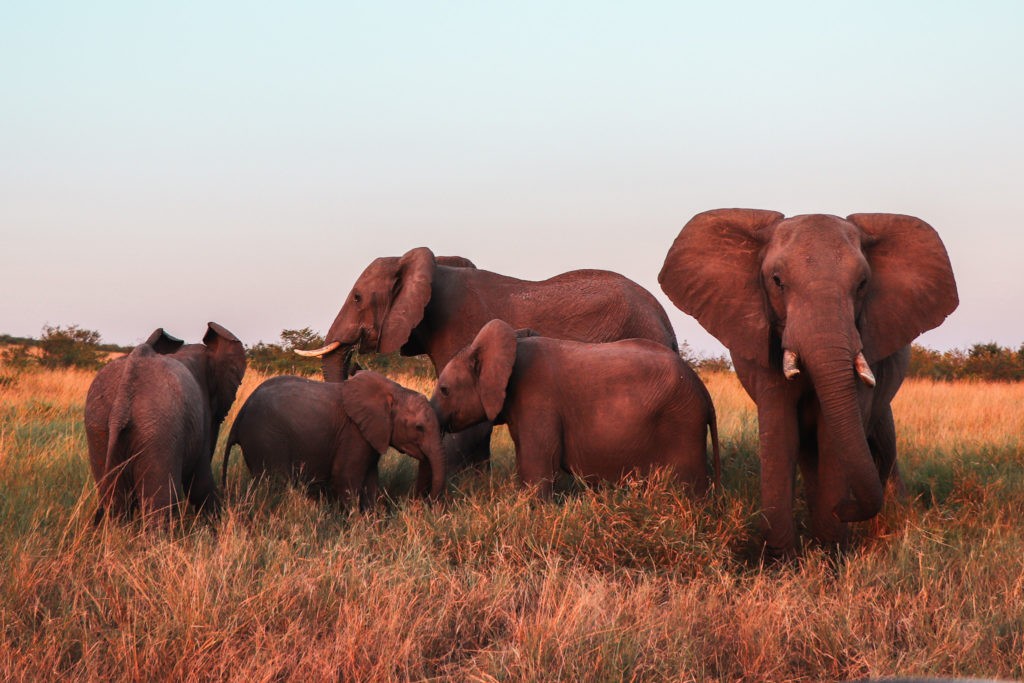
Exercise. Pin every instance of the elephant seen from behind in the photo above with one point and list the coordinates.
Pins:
(152, 420)
(598, 411)
(330, 436)
(818, 313)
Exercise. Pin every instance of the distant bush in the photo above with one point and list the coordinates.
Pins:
(988, 361)
(702, 362)
(70, 346)
(281, 359)
(17, 357)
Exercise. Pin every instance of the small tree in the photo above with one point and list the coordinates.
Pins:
(305, 339)
(281, 359)
(70, 346)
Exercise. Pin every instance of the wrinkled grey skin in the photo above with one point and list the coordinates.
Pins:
(819, 290)
(419, 304)
(152, 419)
(599, 411)
(330, 436)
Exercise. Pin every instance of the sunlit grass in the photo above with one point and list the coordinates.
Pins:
(635, 581)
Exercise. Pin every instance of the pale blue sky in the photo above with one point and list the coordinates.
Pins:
(165, 165)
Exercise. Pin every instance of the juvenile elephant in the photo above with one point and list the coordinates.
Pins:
(419, 304)
(599, 411)
(331, 435)
(152, 419)
(817, 312)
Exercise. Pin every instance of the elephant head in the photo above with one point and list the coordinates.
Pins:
(472, 386)
(383, 308)
(388, 414)
(217, 366)
(819, 293)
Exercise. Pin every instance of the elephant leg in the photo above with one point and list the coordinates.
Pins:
(538, 459)
(469, 448)
(371, 490)
(808, 461)
(157, 491)
(779, 442)
(424, 477)
(115, 494)
(882, 442)
(202, 492)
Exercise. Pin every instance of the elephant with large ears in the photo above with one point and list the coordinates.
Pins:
(599, 411)
(422, 304)
(817, 313)
(330, 436)
(152, 419)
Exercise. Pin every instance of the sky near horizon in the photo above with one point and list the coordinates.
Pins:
(169, 164)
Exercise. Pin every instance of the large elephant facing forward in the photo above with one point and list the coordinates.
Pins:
(152, 419)
(417, 304)
(817, 312)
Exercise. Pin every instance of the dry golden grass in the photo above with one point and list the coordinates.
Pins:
(635, 582)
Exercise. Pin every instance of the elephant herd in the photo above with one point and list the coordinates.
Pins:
(817, 312)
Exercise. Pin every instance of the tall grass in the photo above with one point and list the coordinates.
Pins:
(631, 582)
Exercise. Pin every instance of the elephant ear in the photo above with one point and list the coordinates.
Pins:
(163, 343)
(493, 354)
(411, 289)
(455, 262)
(713, 272)
(224, 368)
(911, 289)
(368, 398)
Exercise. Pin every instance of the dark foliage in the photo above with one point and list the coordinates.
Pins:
(988, 361)
(70, 346)
(281, 359)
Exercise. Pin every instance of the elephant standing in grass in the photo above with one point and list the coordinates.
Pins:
(599, 411)
(418, 304)
(330, 436)
(152, 419)
(818, 313)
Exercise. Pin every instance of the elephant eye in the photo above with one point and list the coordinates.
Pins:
(357, 297)
(444, 391)
(778, 281)
(862, 285)
(420, 428)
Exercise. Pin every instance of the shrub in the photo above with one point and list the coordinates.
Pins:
(17, 357)
(988, 361)
(70, 346)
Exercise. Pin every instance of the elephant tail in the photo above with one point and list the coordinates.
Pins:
(716, 458)
(120, 418)
(232, 440)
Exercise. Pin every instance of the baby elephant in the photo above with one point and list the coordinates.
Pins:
(599, 411)
(331, 435)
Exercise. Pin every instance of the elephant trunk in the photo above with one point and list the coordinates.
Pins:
(337, 364)
(832, 370)
(438, 468)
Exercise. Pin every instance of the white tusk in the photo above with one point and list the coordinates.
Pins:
(863, 370)
(789, 366)
(322, 351)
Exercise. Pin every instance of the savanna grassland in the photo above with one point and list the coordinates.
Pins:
(635, 582)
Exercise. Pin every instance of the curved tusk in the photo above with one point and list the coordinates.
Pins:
(789, 364)
(864, 370)
(322, 351)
